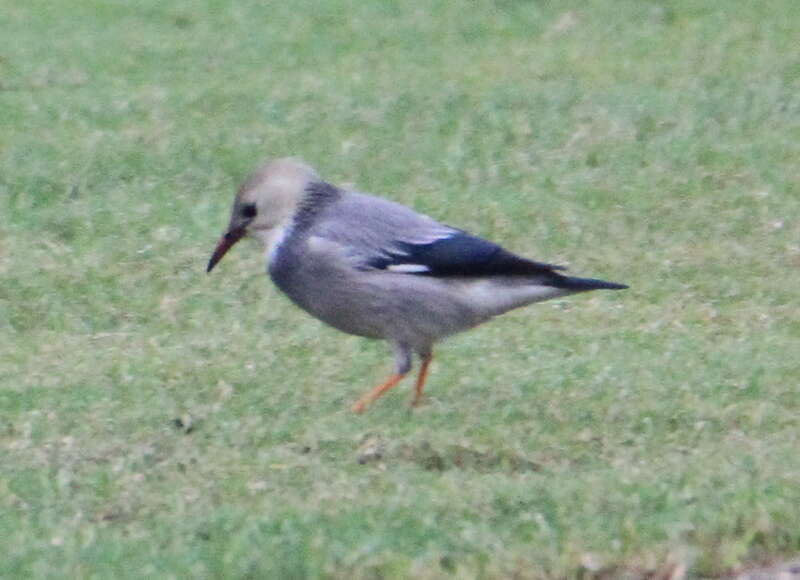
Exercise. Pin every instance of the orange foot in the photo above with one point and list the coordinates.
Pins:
(361, 405)
(423, 374)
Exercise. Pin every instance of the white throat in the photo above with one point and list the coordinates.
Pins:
(272, 239)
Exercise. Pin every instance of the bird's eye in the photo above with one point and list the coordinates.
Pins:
(249, 210)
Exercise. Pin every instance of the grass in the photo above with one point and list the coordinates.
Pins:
(157, 421)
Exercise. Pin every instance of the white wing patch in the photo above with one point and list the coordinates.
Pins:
(436, 233)
(408, 268)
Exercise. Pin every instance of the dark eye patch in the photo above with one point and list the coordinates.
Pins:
(249, 210)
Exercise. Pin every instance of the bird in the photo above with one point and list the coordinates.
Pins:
(374, 268)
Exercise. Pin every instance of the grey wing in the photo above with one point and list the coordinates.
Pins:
(377, 234)
(373, 232)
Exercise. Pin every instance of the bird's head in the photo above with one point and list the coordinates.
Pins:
(265, 204)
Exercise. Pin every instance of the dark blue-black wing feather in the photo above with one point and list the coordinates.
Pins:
(459, 254)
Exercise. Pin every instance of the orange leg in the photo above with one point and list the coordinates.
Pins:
(423, 374)
(360, 405)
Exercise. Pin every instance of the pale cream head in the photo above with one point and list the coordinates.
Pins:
(265, 204)
(276, 188)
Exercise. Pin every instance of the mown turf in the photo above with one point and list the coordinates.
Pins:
(157, 421)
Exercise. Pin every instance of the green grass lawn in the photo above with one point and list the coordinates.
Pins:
(158, 421)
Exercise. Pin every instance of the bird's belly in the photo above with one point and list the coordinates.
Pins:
(331, 301)
(410, 309)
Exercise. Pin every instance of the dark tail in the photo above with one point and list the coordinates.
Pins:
(585, 284)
